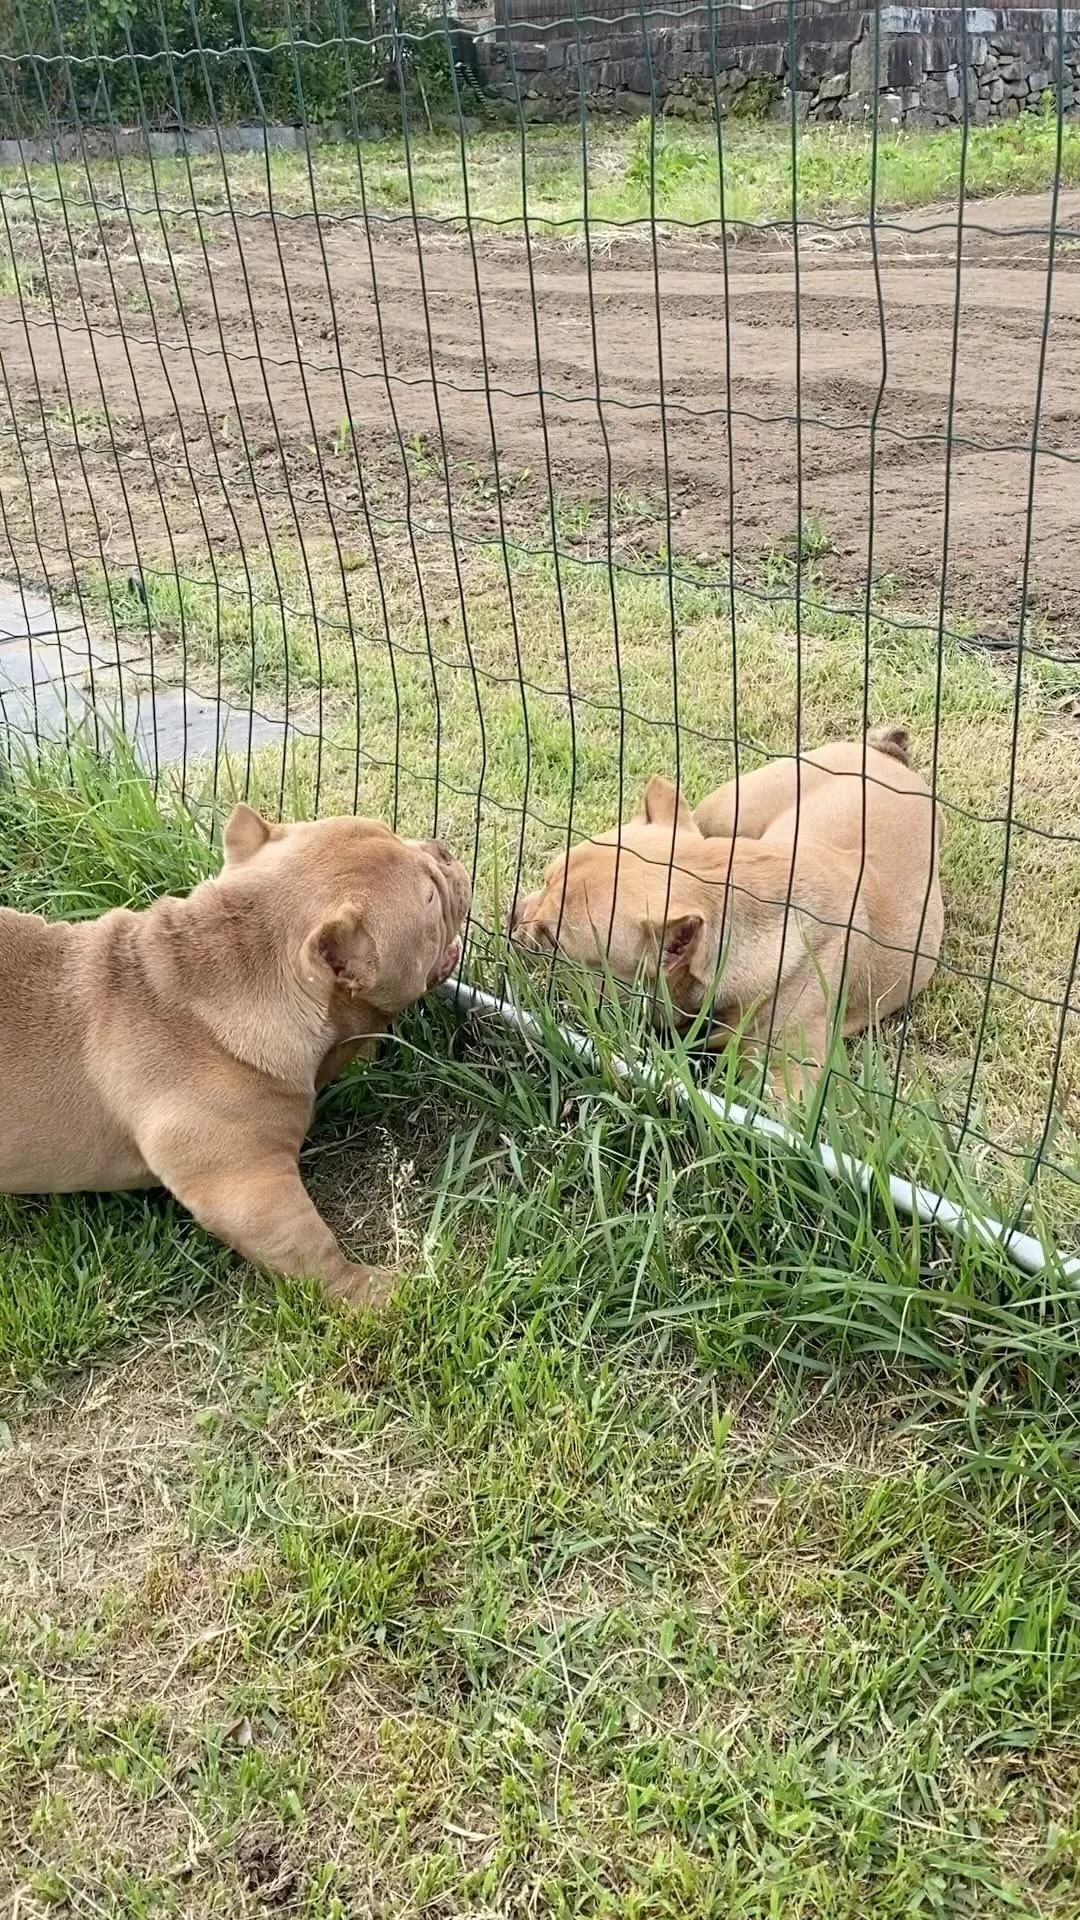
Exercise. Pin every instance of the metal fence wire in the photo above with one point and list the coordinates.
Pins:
(372, 439)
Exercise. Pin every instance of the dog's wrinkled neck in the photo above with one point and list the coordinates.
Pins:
(227, 960)
(348, 1016)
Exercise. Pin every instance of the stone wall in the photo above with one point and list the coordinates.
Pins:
(926, 67)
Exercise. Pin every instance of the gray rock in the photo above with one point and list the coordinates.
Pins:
(834, 87)
(177, 727)
(766, 58)
(46, 713)
(997, 90)
(863, 77)
(27, 614)
(530, 56)
(908, 59)
(980, 113)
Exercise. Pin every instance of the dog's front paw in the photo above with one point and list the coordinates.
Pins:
(357, 1286)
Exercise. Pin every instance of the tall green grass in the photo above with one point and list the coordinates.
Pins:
(641, 1209)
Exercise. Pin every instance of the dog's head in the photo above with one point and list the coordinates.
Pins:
(634, 901)
(365, 916)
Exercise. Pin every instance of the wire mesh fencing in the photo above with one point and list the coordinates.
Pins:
(464, 424)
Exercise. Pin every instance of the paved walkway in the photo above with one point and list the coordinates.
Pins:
(46, 670)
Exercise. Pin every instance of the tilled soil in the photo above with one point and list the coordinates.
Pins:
(211, 393)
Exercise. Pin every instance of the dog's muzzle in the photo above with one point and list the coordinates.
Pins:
(459, 890)
(448, 963)
(517, 925)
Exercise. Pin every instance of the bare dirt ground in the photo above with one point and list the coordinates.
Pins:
(220, 385)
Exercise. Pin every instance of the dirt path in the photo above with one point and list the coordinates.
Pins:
(284, 334)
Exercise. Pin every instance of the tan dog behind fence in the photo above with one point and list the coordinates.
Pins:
(740, 914)
(183, 1046)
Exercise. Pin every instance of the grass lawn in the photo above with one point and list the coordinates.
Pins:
(691, 1536)
(626, 166)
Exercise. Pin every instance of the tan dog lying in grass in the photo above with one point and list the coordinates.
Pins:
(183, 1046)
(724, 936)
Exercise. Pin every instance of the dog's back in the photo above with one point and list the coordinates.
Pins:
(56, 1134)
(822, 791)
(860, 810)
(842, 792)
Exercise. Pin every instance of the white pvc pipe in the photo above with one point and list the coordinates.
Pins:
(917, 1202)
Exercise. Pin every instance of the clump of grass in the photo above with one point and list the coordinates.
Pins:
(756, 100)
(82, 831)
(660, 161)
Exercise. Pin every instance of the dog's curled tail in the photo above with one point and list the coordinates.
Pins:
(895, 741)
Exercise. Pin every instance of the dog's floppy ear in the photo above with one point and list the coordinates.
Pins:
(341, 952)
(245, 832)
(663, 805)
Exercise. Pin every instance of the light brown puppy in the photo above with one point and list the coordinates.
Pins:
(756, 927)
(183, 1046)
